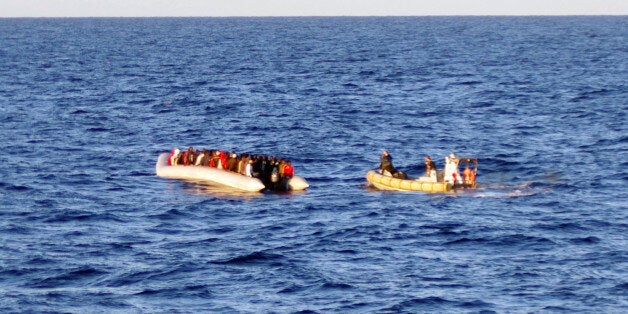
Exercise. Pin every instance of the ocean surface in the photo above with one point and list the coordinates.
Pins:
(87, 105)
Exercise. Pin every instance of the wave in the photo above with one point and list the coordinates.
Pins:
(83, 216)
(129, 278)
(507, 241)
(77, 277)
(585, 240)
(258, 257)
(174, 292)
(336, 286)
(445, 229)
(421, 304)
(293, 288)
(561, 225)
(15, 187)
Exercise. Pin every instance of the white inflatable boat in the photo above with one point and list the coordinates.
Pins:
(219, 176)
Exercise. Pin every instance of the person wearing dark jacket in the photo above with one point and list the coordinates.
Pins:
(385, 163)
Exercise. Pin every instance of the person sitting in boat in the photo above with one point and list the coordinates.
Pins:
(173, 159)
(232, 162)
(242, 162)
(205, 156)
(248, 168)
(280, 166)
(183, 157)
(268, 169)
(222, 155)
(187, 157)
(385, 164)
(200, 158)
(192, 156)
(214, 161)
(452, 174)
(288, 170)
(286, 173)
(258, 165)
(429, 165)
(430, 171)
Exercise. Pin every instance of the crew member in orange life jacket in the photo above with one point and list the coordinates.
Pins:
(469, 176)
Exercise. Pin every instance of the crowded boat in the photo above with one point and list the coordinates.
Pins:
(275, 173)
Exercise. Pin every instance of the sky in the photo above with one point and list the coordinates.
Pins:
(154, 8)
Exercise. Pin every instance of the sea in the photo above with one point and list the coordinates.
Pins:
(88, 104)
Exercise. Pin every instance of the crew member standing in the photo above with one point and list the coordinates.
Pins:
(385, 163)
(452, 174)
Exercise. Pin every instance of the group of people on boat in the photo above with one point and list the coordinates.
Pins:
(451, 173)
(273, 171)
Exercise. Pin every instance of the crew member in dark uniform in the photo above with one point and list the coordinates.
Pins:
(385, 163)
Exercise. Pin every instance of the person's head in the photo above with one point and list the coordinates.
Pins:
(427, 158)
(385, 152)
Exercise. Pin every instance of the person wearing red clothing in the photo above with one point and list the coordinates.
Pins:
(223, 159)
(187, 156)
(173, 159)
(288, 169)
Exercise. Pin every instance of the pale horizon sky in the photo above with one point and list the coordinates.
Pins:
(223, 8)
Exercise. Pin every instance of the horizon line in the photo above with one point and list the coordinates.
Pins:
(331, 16)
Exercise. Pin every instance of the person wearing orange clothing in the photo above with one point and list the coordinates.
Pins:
(469, 176)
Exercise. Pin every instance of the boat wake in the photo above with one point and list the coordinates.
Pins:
(509, 191)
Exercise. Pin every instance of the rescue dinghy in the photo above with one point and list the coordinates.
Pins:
(438, 182)
(386, 182)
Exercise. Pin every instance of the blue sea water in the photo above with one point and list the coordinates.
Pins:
(86, 106)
